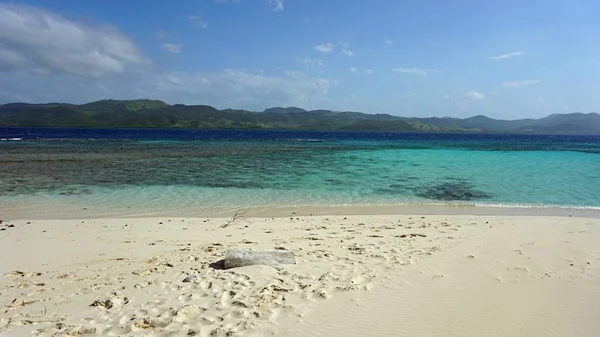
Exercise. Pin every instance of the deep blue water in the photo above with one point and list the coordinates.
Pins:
(262, 135)
(227, 169)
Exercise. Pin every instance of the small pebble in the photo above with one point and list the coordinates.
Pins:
(189, 279)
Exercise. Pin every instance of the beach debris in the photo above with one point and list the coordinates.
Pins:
(108, 303)
(24, 274)
(412, 235)
(143, 324)
(356, 249)
(241, 258)
(237, 216)
(189, 278)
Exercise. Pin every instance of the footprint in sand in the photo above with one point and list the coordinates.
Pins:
(188, 313)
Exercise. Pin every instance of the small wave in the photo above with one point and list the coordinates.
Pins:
(536, 206)
(11, 139)
(310, 140)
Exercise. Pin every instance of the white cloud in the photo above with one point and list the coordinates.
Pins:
(369, 71)
(324, 47)
(518, 84)
(506, 56)
(310, 63)
(447, 96)
(223, 1)
(172, 48)
(35, 43)
(36, 40)
(295, 74)
(242, 88)
(388, 41)
(161, 34)
(197, 20)
(172, 79)
(352, 69)
(228, 88)
(415, 71)
(475, 96)
(347, 52)
(277, 4)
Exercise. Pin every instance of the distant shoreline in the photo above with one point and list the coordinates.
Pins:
(148, 113)
(489, 133)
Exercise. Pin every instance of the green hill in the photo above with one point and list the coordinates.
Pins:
(158, 114)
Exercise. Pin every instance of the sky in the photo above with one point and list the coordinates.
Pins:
(504, 59)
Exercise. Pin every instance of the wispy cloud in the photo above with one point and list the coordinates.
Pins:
(475, 96)
(415, 71)
(506, 56)
(41, 42)
(347, 52)
(197, 20)
(161, 34)
(295, 74)
(310, 63)
(517, 84)
(240, 88)
(352, 69)
(388, 41)
(46, 57)
(324, 47)
(172, 48)
(277, 4)
(369, 71)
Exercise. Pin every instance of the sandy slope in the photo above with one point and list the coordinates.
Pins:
(359, 275)
(514, 277)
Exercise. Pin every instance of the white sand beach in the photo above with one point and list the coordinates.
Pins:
(356, 275)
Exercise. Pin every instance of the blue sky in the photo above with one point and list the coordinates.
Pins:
(504, 59)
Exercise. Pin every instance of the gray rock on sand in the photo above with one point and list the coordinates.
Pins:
(189, 278)
(242, 258)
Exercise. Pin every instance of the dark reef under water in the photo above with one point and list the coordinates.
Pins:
(363, 166)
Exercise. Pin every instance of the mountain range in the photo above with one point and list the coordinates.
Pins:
(158, 114)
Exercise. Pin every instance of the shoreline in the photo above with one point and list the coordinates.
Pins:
(53, 210)
(440, 210)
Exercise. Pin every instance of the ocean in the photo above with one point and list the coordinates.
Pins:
(146, 171)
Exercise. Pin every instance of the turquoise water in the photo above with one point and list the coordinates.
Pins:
(154, 173)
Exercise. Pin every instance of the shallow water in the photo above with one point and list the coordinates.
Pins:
(178, 169)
